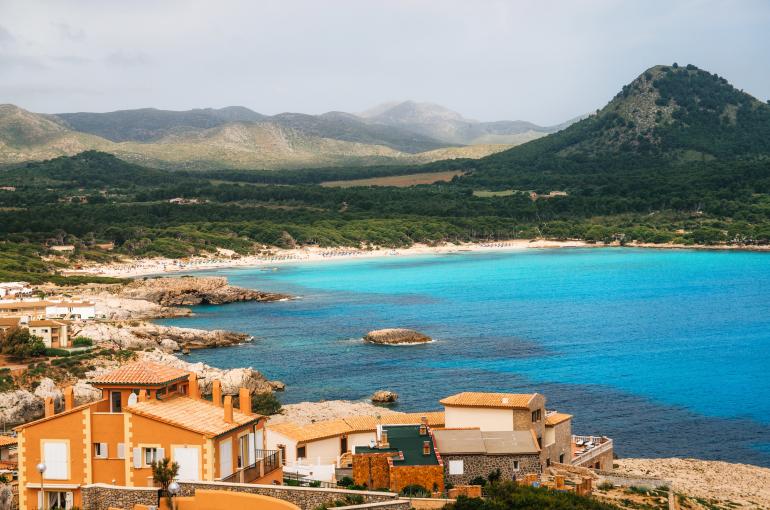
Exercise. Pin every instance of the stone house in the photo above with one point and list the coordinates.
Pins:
(473, 453)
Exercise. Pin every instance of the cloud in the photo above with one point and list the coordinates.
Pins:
(70, 33)
(121, 58)
(6, 38)
(70, 59)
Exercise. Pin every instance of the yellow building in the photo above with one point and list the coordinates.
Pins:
(148, 412)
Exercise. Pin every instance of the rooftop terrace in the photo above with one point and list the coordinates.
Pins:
(406, 441)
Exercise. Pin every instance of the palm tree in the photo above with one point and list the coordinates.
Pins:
(163, 473)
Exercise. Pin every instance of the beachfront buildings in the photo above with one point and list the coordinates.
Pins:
(475, 434)
(54, 334)
(48, 309)
(148, 412)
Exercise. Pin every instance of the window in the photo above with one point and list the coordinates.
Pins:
(548, 462)
(56, 458)
(561, 459)
(116, 405)
(150, 455)
(343, 444)
(456, 467)
(58, 499)
(516, 465)
(121, 450)
(536, 415)
(301, 452)
(100, 451)
(282, 449)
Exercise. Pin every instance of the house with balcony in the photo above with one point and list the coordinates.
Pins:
(53, 333)
(148, 412)
(316, 450)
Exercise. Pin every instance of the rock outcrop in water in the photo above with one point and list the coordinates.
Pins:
(396, 336)
(384, 397)
(193, 290)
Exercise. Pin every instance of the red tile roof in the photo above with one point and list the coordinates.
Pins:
(495, 400)
(145, 373)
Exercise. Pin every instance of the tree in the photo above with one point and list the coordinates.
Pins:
(18, 343)
(163, 473)
(6, 497)
(265, 403)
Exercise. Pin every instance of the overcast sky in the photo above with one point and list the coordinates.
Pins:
(543, 61)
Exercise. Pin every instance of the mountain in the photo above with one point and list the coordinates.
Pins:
(289, 141)
(150, 124)
(449, 126)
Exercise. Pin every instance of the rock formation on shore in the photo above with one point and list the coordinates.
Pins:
(193, 290)
(308, 412)
(384, 397)
(395, 336)
(136, 335)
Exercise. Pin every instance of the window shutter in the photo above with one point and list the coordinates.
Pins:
(161, 454)
(40, 499)
(121, 450)
(252, 453)
(69, 500)
(105, 451)
(137, 457)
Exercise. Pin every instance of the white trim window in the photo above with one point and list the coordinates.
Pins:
(151, 455)
(516, 465)
(56, 458)
(100, 451)
(456, 467)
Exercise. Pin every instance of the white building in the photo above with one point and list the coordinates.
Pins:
(14, 289)
(70, 310)
(314, 450)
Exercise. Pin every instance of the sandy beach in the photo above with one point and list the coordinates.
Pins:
(134, 268)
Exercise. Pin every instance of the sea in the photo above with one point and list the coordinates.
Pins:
(665, 351)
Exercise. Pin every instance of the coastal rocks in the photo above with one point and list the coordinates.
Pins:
(19, 406)
(304, 413)
(146, 335)
(396, 336)
(84, 393)
(384, 397)
(232, 380)
(112, 307)
(188, 291)
(47, 388)
(277, 385)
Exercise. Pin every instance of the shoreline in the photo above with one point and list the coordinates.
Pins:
(136, 268)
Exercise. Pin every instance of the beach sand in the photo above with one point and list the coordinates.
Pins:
(133, 268)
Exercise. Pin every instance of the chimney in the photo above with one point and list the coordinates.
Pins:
(384, 439)
(193, 391)
(244, 400)
(48, 406)
(424, 426)
(69, 398)
(142, 396)
(229, 409)
(426, 447)
(216, 393)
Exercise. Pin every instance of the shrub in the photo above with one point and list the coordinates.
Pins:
(53, 352)
(479, 480)
(415, 490)
(265, 403)
(82, 341)
(605, 486)
(345, 481)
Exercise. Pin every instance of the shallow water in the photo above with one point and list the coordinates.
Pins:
(666, 351)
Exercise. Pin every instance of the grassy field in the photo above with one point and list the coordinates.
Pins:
(488, 194)
(399, 181)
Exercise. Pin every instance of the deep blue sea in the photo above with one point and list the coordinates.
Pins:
(668, 352)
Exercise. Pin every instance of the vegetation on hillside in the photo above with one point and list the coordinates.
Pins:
(677, 156)
(509, 496)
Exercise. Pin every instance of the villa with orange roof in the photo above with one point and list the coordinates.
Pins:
(148, 412)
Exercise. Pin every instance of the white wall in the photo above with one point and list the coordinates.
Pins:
(360, 439)
(479, 417)
(274, 439)
(324, 451)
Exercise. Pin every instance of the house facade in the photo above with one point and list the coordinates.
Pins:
(147, 412)
(53, 333)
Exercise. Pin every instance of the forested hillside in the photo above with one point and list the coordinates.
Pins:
(677, 156)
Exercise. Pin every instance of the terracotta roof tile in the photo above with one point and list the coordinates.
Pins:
(352, 424)
(192, 414)
(556, 418)
(496, 400)
(143, 373)
(7, 440)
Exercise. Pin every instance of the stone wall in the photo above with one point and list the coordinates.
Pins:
(307, 498)
(481, 465)
(431, 477)
(397, 504)
(102, 496)
(562, 444)
(603, 461)
(372, 470)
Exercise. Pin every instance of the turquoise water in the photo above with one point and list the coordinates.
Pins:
(666, 351)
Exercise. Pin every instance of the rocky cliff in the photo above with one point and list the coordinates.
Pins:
(190, 290)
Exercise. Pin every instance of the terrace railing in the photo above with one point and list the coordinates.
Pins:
(267, 461)
(599, 445)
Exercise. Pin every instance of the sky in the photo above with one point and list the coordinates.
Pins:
(542, 61)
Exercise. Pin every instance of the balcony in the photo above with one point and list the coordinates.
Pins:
(587, 448)
(267, 462)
